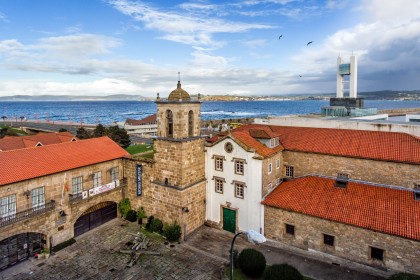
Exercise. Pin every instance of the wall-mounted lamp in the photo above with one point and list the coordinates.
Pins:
(27, 193)
(185, 210)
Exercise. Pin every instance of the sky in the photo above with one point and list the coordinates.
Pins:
(237, 47)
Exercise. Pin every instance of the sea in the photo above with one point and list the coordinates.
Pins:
(109, 112)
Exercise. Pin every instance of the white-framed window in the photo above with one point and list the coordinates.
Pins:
(218, 163)
(270, 185)
(219, 185)
(239, 166)
(290, 170)
(77, 185)
(97, 179)
(270, 168)
(8, 206)
(239, 190)
(114, 174)
(277, 163)
(38, 197)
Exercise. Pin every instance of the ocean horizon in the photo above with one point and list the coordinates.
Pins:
(108, 112)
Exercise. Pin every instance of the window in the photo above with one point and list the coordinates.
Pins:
(277, 163)
(77, 185)
(290, 229)
(278, 181)
(170, 125)
(376, 254)
(38, 197)
(239, 190)
(239, 167)
(328, 240)
(190, 123)
(114, 174)
(269, 186)
(218, 163)
(270, 168)
(97, 179)
(289, 171)
(219, 185)
(8, 206)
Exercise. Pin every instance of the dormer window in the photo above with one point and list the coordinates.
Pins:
(274, 142)
(417, 192)
(342, 180)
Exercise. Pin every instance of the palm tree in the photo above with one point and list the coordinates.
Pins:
(4, 120)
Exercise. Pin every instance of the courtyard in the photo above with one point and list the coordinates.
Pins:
(204, 255)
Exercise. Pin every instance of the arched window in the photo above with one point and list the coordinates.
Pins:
(170, 123)
(190, 123)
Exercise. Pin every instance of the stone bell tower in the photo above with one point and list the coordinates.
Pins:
(179, 170)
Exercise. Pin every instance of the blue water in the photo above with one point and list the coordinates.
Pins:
(107, 112)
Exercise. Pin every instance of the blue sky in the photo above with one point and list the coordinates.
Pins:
(102, 47)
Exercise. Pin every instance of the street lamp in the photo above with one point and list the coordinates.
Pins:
(253, 237)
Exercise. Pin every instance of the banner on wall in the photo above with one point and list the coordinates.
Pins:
(139, 180)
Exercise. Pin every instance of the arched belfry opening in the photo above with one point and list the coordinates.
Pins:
(190, 123)
(169, 123)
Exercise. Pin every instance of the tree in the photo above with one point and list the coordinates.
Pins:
(99, 131)
(4, 120)
(62, 130)
(119, 135)
(82, 133)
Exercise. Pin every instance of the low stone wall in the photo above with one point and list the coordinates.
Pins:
(350, 242)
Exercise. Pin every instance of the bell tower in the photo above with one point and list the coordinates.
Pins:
(179, 169)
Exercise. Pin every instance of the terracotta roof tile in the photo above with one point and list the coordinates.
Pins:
(377, 145)
(23, 164)
(249, 141)
(20, 142)
(149, 119)
(383, 209)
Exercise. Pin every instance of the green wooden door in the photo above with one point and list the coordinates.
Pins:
(229, 220)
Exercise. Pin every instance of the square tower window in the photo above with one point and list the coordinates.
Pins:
(328, 240)
(376, 254)
(290, 229)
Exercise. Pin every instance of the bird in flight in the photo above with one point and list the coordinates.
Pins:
(309, 43)
(300, 76)
(280, 36)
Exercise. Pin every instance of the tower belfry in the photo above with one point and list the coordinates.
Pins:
(179, 171)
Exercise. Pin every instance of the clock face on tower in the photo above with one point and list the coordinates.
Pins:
(228, 147)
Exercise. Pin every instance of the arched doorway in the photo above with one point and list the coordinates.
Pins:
(95, 216)
(19, 247)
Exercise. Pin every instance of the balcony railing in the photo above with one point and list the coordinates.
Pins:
(74, 198)
(28, 213)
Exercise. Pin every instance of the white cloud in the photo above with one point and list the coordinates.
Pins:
(257, 43)
(196, 31)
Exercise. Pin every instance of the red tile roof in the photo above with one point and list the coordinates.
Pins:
(23, 164)
(383, 209)
(376, 145)
(147, 120)
(20, 142)
(260, 148)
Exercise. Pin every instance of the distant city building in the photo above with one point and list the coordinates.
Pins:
(146, 127)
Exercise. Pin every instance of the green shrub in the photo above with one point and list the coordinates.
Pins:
(282, 272)
(140, 213)
(156, 225)
(404, 276)
(172, 232)
(131, 216)
(124, 206)
(251, 262)
(149, 222)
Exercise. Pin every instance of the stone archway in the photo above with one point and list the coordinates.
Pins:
(95, 216)
(19, 247)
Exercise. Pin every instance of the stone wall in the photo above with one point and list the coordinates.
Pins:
(389, 173)
(51, 223)
(275, 173)
(182, 163)
(351, 243)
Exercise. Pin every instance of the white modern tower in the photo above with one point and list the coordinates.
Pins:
(344, 69)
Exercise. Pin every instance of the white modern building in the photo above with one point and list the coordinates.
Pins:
(146, 127)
